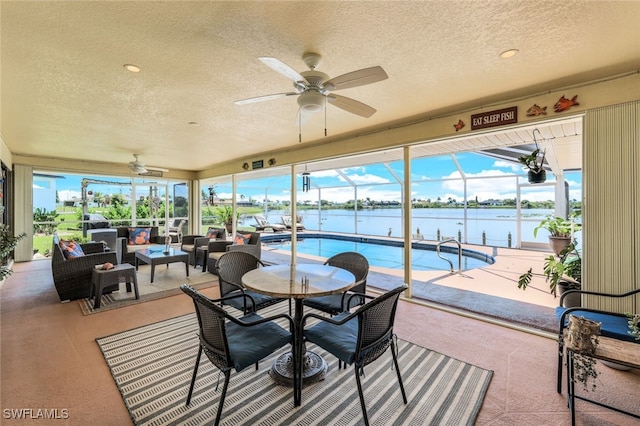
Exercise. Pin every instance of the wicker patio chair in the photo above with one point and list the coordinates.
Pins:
(72, 277)
(216, 249)
(230, 268)
(231, 342)
(333, 304)
(191, 243)
(360, 337)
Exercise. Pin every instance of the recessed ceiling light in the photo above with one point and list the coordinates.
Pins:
(131, 67)
(509, 53)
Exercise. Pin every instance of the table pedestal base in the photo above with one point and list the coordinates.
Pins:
(314, 369)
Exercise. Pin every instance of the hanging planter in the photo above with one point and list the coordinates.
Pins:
(537, 176)
(534, 162)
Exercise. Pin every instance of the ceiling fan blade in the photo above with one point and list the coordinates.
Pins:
(157, 169)
(356, 78)
(351, 105)
(265, 98)
(280, 67)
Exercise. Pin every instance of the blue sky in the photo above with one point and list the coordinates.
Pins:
(487, 179)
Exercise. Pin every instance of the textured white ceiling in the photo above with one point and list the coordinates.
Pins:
(66, 94)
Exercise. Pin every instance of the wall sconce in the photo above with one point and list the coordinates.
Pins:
(272, 161)
(306, 181)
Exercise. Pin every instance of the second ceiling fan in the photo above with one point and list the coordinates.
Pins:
(314, 88)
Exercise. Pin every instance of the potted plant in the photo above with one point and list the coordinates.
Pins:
(560, 231)
(225, 216)
(562, 273)
(534, 162)
(8, 243)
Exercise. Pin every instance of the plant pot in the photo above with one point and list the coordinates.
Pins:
(572, 300)
(537, 177)
(229, 227)
(558, 244)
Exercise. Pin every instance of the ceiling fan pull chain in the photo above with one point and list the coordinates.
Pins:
(299, 126)
(325, 116)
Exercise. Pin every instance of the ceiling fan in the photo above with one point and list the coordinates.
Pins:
(139, 167)
(314, 88)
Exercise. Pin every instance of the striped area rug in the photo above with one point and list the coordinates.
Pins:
(152, 367)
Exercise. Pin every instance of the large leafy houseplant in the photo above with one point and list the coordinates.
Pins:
(565, 268)
(8, 243)
(224, 214)
(560, 230)
(558, 226)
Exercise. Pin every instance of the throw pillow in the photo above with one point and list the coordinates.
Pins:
(212, 233)
(71, 249)
(139, 236)
(241, 239)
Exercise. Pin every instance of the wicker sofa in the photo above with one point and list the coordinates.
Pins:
(72, 277)
(129, 250)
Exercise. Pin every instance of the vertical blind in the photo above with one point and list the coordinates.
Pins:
(611, 209)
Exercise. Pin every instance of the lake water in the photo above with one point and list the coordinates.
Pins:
(496, 224)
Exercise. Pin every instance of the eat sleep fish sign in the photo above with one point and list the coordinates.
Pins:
(499, 117)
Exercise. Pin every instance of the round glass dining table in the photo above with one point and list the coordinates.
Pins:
(298, 282)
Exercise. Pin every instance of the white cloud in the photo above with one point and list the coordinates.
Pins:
(507, 165)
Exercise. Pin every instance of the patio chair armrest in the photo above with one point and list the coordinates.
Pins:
(242, 323)
(253, 249)
(189, 239)
(218, 245)
(200, 241)
(89, 261)
(327, 319)
(92, 247)
(350, 295)
(236, 296)
(597, 293)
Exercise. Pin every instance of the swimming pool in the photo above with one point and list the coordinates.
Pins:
(381, 252)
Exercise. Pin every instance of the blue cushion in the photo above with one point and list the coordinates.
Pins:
(331, 303)
(238, 302)
(248, 345)
(613, 326)
(340, 340)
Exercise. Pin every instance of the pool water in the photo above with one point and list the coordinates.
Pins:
(388, 256)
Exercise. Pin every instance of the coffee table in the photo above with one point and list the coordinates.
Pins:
(158, 256)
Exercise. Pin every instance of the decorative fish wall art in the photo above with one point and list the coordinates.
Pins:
(535, 110)
(564, 104)
(459, 125)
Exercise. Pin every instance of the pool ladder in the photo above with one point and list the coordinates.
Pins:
(451, 240)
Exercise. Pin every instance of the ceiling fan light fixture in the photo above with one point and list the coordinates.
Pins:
(311, 101)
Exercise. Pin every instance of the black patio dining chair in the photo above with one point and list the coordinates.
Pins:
(230, 268)
(360, 337)
(333, 304)
(233, 343)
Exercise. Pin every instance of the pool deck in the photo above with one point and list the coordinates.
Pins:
(491, 291)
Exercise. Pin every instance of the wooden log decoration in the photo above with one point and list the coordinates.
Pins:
(581, 335)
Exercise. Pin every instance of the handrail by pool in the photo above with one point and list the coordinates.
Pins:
(451, 240)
